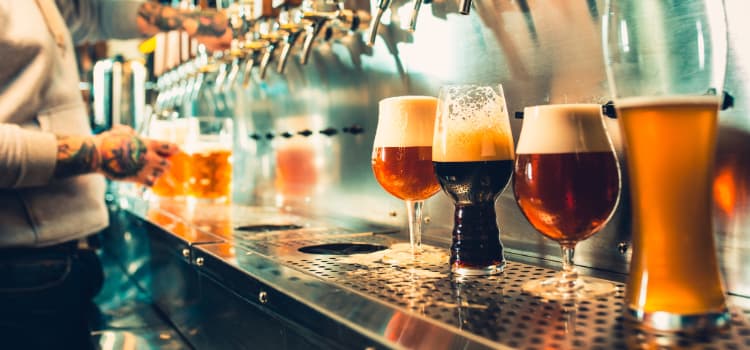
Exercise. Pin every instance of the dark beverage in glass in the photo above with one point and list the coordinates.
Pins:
(567, 183)
(571, 195)
(472, 154)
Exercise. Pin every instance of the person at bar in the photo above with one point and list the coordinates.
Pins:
(52, 169)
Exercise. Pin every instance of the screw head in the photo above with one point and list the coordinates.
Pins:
(263, 297)
(199, 261)
(186, 252)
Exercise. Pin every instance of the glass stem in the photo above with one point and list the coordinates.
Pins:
(568, 275)
(414, 212)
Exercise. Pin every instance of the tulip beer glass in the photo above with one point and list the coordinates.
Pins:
(567, 183)
(472, 152)
(402, 157)
(665, 66)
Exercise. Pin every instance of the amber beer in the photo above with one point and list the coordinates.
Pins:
(401, 160)
(406, 172)
(210, 172)
(566, 179)
(173, 183)
(670, 144)
(473, 157)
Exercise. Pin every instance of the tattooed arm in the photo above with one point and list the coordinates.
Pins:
(210, 27)
(118, 154)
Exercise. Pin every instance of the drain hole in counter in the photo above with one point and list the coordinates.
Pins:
(267, 228)
(342, 248)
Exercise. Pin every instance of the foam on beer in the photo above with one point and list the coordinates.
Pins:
(473, 128)
(405, 121)
(564, 128)
(667, 101)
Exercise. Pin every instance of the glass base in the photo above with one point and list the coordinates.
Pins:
(478, 270)
(401, 254)
(581, 288)
(670, 322)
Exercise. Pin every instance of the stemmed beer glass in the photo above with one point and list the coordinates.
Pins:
(402, 160)
(665, 64)
(567, 183)
(472, 151)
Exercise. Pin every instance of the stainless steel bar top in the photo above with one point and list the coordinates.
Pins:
(344, 281)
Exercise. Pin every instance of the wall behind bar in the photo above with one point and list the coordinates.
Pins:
(541, 51)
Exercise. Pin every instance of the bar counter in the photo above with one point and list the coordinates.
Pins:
(231, 276)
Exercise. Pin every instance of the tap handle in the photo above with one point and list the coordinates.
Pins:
(266, 59)
(291, 38)
(414, 14)
(464, 7)
(383, 5)
(310, 33)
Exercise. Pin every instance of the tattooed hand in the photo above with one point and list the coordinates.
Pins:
(210, 27)
(119, 154)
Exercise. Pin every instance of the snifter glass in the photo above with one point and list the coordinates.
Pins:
(402, 161)
(665, 63)
(472, 152)
(566, 181)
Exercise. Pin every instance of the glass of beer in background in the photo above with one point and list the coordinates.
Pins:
(567, 183)
(402, 158)
(174, 182)
(472, 152)
(210, 149)
(665, 66)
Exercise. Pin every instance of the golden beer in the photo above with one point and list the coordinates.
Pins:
(670, 148)
(210, 173)
(174, 181)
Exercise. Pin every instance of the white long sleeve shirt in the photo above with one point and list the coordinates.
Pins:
(39, 99)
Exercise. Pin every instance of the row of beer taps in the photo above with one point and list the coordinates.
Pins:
(264, 32)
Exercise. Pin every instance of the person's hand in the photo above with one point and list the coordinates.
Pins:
(210, 27)
(125, 156)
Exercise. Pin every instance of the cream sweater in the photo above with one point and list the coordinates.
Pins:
(39, 98)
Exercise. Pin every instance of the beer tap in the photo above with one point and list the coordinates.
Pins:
(317, 14)
(383, 5)
(272, 37)
(464, 7)
(348, 22)
(253, 56)
(291, 25)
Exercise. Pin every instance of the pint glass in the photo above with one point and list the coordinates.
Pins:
(665, 65)
(174, 182)
(472, 152)
(210, 151)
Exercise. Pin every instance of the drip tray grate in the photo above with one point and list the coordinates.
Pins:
(493, 307)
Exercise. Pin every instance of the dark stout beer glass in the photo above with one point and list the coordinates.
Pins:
(402, 158)
(567, 184)
(473, 157)
(665, 66)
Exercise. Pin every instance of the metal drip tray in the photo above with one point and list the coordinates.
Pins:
(494, 308)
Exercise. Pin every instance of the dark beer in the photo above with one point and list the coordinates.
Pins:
(474, 187)
(472, 153)
(566, 196)
(405, 172)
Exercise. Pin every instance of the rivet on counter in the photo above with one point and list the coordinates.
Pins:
(392, 213)
(427, 219)
(263, 297)
(622, 247)
(199, 261)
(186, 252)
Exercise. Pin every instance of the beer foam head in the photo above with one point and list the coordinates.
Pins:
(563, 128)
(405, 121)
(667, 101)
(472, 125)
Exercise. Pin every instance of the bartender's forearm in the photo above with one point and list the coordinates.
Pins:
(154, 17)
(117, 156)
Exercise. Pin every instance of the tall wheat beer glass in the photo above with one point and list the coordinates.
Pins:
(472, 152)
(665, 66)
